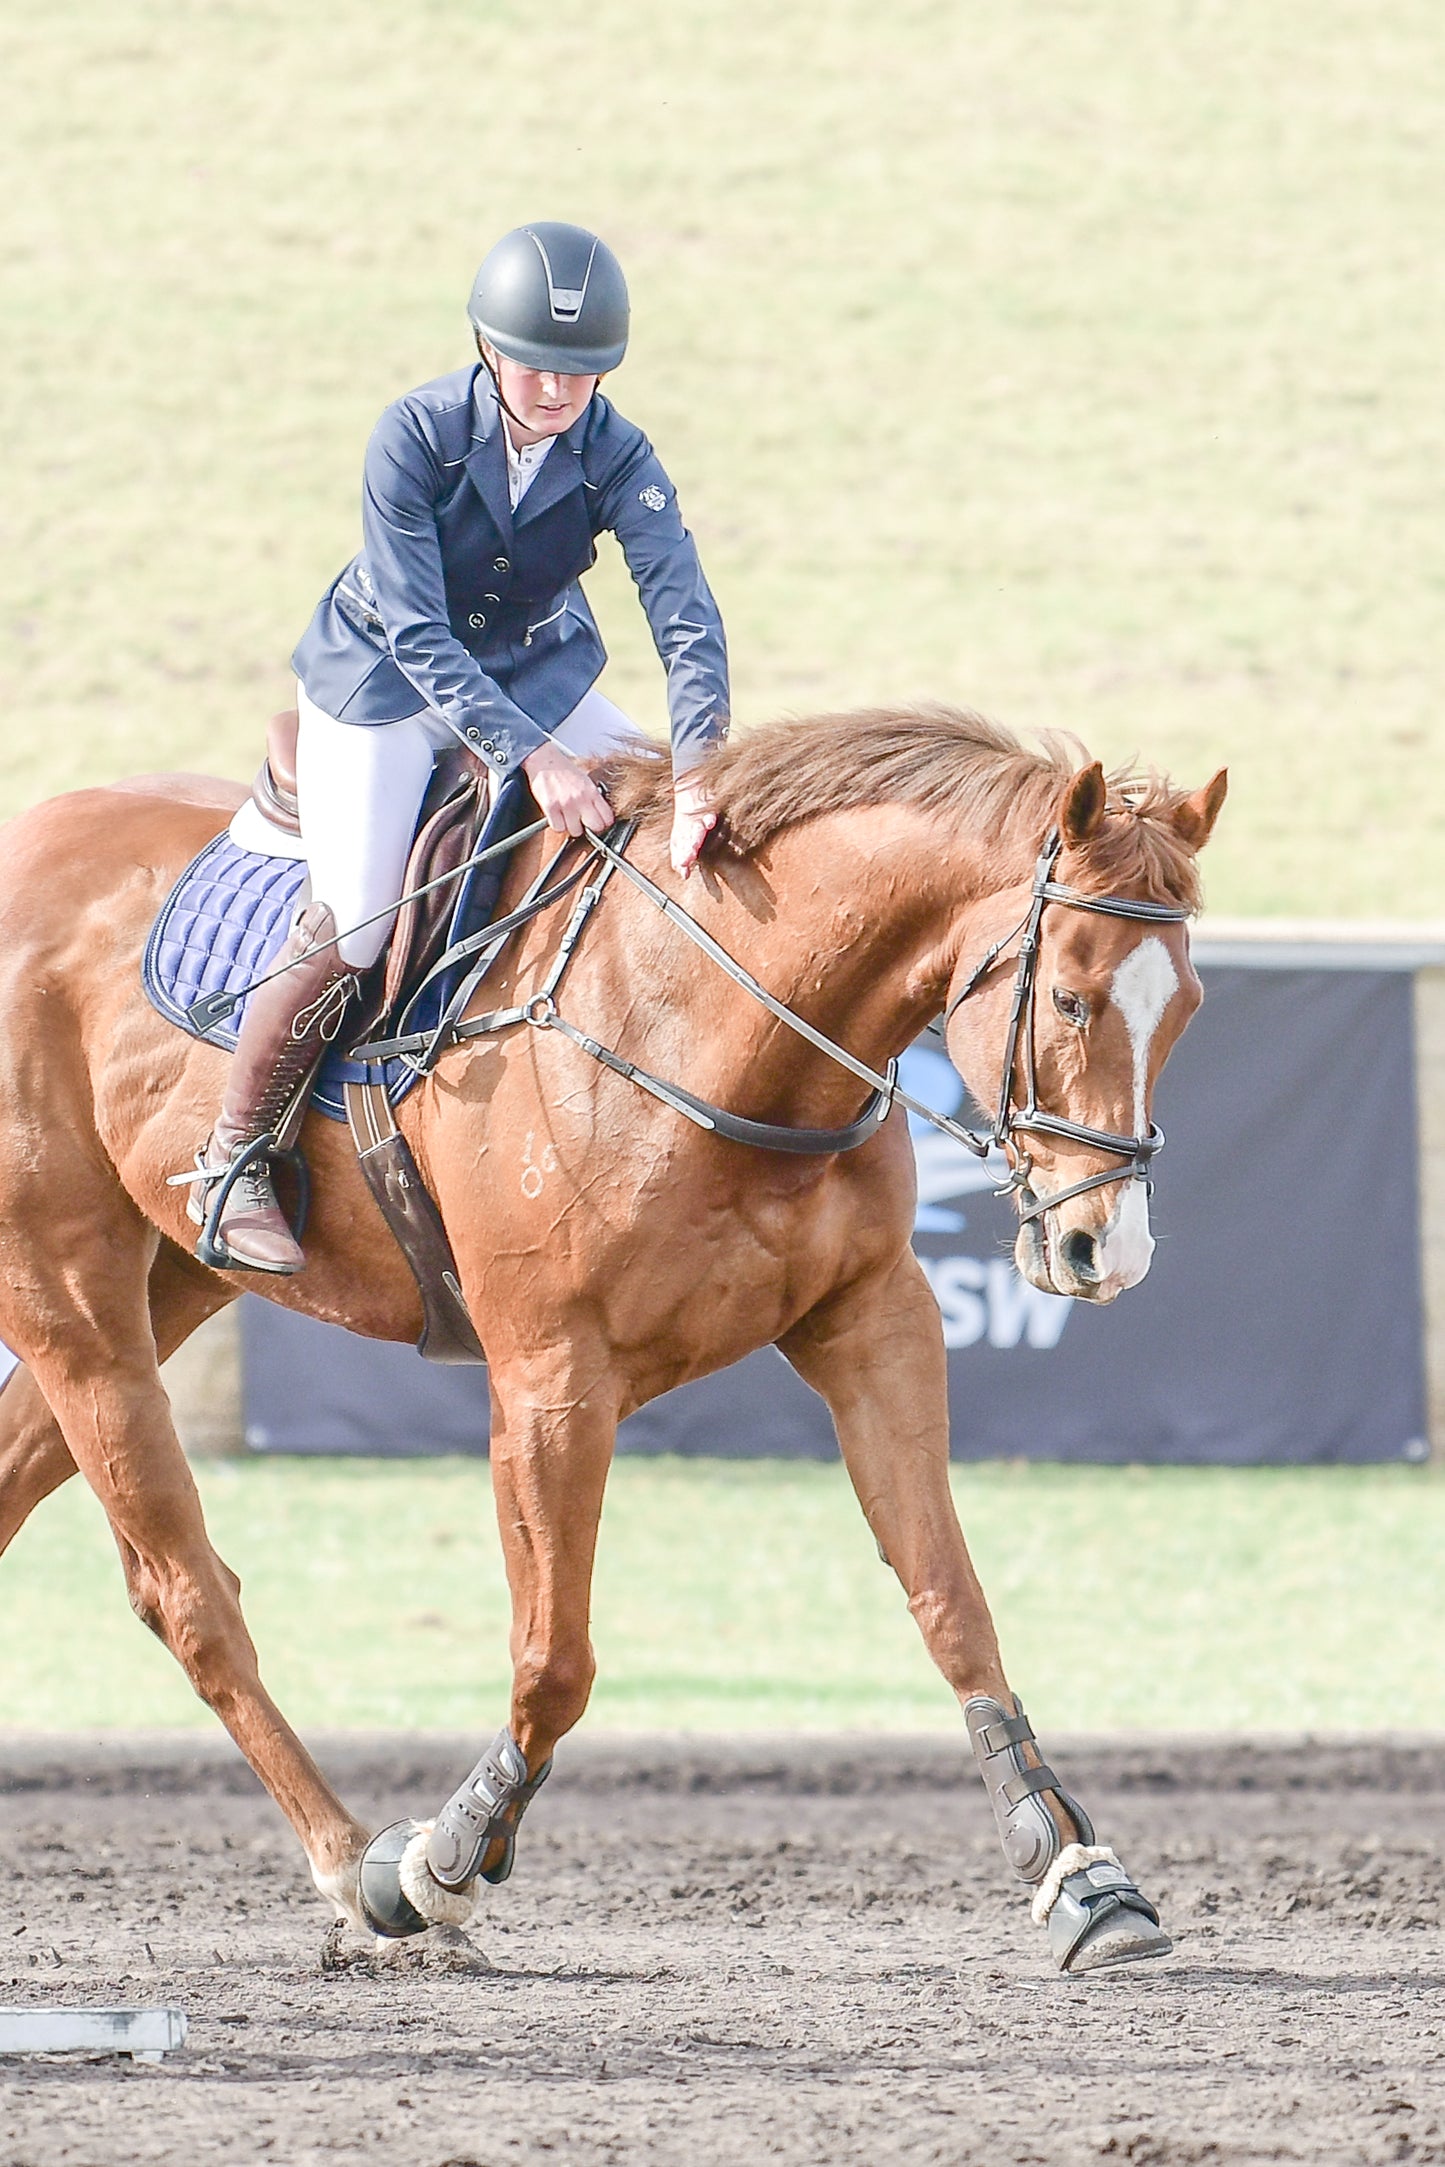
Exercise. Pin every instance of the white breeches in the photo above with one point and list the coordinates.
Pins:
(359, 789)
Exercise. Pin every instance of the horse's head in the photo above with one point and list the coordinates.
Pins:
(1068, 1035)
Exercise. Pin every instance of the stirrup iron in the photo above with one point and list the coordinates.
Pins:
(214, 1184)
(484, 1809)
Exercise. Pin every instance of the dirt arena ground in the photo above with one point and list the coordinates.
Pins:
(733, 1950)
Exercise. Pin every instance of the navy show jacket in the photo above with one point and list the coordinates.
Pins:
(459, 604)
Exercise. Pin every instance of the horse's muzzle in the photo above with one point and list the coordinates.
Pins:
(1086, 1263)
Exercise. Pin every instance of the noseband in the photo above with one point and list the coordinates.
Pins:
(1010, 1122)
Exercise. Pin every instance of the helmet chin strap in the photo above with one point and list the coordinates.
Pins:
(497, 388)
(496, 383)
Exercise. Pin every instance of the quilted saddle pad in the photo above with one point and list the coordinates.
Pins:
(228, 915)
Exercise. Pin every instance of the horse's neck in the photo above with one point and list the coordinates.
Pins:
(850, 920)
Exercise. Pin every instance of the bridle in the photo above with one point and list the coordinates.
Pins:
(1011, 1122)
(606, 855)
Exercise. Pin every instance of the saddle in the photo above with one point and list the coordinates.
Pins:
(450, 821)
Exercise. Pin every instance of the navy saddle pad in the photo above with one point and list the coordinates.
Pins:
(227, 916)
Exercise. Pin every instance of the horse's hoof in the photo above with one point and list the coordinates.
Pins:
(1125, 1937)
(1096, 1917)
(387, 1907)
(399, 1896)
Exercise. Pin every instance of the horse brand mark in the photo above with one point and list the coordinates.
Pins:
(536, 1168)
(652, 497)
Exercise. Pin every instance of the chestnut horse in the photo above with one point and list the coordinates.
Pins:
(608, 1249)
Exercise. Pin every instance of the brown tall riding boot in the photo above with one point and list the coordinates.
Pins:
(287, 1028)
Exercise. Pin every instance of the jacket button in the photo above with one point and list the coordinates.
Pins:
(477, 621)
(474, 737)
(501, 564)
(491, 598)
(488, 746)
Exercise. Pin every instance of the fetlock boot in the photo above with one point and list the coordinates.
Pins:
(288, 1025)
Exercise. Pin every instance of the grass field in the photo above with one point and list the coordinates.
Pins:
(748, 1596)
(1077, 361)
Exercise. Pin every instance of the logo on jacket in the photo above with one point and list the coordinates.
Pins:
(652, 497)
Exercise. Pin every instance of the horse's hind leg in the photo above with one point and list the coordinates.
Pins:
(553, 1430)
(84, 1330)
(876, 1355)
(34, 1457)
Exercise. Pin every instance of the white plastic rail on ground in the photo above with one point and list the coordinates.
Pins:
(143, 2034)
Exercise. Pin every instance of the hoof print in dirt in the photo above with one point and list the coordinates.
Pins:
(441, 1951)
(344, 1950)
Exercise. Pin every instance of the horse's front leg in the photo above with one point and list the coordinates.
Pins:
(90, 1345)
(876, 1355)
(554, 1424)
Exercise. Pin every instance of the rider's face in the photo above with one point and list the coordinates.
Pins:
(543, 402)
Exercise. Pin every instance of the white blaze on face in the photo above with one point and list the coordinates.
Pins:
(1142, 988)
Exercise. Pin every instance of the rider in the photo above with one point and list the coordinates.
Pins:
(462, 620)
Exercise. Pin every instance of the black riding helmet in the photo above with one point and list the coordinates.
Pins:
(552, 297)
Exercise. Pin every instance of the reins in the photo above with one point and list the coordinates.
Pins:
(540, 1010)
(608, 854)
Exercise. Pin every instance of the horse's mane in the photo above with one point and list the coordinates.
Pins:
(942, 760)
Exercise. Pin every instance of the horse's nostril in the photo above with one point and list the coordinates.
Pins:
(1080, 1252)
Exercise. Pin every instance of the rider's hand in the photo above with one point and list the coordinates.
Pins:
(693, 820)
(565, 792)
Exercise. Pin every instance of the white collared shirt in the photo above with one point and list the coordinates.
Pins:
(522, 466)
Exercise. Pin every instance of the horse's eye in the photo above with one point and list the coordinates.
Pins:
(1071, 1006)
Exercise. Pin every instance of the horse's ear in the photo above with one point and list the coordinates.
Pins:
(1194, 816)
(1082, 806)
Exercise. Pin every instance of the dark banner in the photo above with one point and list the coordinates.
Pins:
(1281, 1319)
